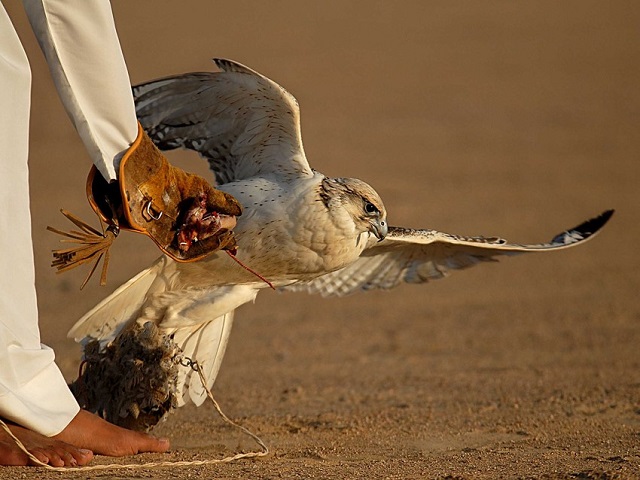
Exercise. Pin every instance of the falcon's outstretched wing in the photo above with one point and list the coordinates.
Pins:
(244, 124)
(417, 256)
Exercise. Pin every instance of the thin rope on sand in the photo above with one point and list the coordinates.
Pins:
(179, 463)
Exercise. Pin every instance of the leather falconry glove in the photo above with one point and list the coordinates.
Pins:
(181, 212)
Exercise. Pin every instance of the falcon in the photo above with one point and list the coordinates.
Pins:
(300, 230)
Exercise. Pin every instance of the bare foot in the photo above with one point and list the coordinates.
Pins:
(47, 450)
(92, 432)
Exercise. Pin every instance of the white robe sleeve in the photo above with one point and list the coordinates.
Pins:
(80, 43)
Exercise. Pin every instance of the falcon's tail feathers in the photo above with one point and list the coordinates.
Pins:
(105, 320)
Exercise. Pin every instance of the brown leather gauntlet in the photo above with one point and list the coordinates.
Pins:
(181, 212)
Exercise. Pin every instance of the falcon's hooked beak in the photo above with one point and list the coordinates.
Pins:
(379, 228)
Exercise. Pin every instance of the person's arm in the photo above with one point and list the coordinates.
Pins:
(81, 46)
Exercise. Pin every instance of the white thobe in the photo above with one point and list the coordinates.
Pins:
(80, 43)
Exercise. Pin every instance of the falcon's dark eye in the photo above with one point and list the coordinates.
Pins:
(370, 208)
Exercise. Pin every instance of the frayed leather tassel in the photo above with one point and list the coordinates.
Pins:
(92, 245)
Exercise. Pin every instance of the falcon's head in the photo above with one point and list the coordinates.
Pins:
(361, 202)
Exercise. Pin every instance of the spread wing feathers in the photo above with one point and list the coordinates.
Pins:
(417, 256)
(244, 124)
(205, 344)
(106, 319)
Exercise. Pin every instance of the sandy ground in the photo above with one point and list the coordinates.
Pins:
(517, 119)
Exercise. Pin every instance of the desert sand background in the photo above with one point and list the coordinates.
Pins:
(517, 119)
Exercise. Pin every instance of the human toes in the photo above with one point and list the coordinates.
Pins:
(73, 456)
(82, 456)
(60, 454)
(47, 456)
